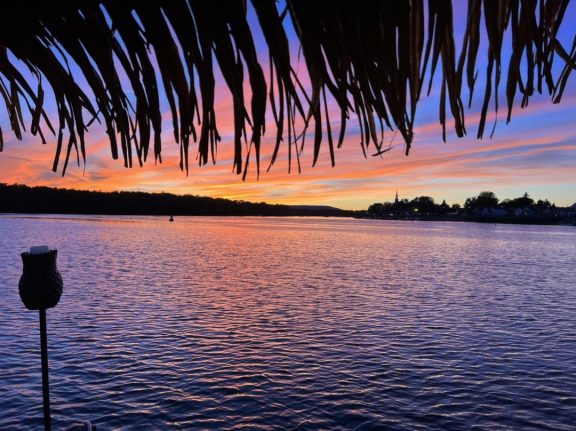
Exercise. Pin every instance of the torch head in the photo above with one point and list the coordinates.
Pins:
(40, 285)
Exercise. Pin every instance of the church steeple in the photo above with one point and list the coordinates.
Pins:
(396, 200)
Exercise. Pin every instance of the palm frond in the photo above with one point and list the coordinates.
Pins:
(370, 59)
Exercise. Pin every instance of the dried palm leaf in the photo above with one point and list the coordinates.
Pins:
(367, 58)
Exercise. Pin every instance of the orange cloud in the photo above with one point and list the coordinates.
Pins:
(453, 171)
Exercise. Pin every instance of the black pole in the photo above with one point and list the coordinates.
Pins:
(40, 288)
(45, 384)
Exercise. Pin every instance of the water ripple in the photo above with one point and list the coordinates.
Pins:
(292, 324)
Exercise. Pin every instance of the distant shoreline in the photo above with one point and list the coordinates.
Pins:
(458, 219)
(484, 208)
(486, 220)
(23, 199)
(56, 215)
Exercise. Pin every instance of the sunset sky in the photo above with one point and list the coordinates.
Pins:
(535, 153)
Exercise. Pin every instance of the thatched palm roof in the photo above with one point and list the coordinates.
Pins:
(371, 59)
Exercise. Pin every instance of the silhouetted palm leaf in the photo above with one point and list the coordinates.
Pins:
(368, 58)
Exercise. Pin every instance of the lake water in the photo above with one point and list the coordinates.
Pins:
(294, 324)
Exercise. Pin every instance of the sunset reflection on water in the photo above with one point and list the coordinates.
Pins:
(266, 323)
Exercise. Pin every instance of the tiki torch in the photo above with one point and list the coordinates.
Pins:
(40, 288)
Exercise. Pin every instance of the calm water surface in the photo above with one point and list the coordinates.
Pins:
(294, 324)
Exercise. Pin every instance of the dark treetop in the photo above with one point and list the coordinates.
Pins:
(485, 207)
(24, 199)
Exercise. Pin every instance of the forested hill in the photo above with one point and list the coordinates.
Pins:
(24, 199)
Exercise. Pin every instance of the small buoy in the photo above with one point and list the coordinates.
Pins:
(171, 218)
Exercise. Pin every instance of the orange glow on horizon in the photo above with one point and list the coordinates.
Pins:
(451, 171)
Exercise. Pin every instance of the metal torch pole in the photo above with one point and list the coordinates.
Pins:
(45, 384)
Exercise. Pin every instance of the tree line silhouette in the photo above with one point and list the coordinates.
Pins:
(485, 207)
(19, 198)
